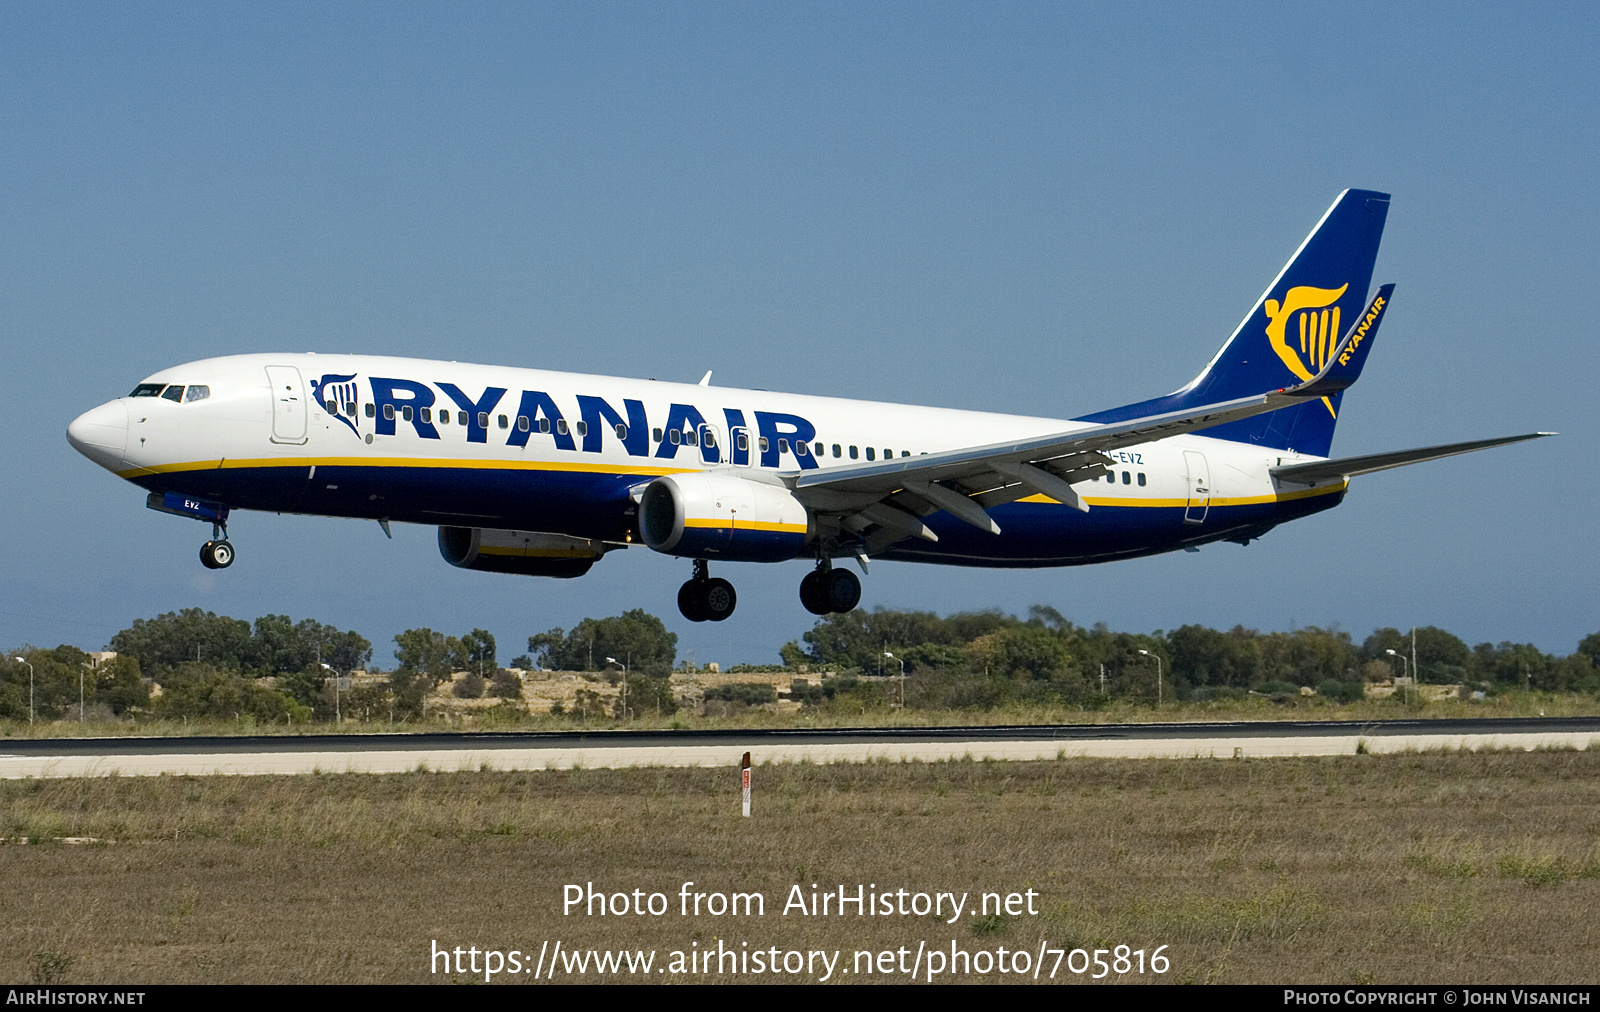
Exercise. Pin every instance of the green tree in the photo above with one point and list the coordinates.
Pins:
(1308, 656)
(162, 643)
(1207, 657)
(199, 690)
(426, 658)
(477, 647)
(117, 684)
(635, 638)
(1590, 648)
(1441, 657)
(1022, 652)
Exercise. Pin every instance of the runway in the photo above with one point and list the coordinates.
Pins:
(399, 753)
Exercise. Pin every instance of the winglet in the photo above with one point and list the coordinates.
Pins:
(1344, 366)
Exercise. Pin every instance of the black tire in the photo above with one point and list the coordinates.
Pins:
(691, 603)
(717, 599)
(811, 593)
(841, 591)
(216, 555)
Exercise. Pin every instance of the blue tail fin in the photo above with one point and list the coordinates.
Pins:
(1290, 333)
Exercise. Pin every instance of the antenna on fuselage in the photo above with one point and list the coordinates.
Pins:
(705, 380)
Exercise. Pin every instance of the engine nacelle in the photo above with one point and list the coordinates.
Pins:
(723, 516)
(522, 552)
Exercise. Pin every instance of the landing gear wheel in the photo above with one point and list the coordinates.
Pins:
(691, 603)
(216, 555)
(811, 593)
(718, 599)
(841, 591)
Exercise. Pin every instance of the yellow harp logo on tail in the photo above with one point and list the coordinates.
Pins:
(1315, 324)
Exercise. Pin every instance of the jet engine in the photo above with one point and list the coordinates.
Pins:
(723, 516)
(526, 553)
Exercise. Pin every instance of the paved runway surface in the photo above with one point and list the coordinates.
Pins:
(395, 753)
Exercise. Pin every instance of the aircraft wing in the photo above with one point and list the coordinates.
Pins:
(1349, 467)
(893, 495)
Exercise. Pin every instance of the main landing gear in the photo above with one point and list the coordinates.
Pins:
(218, 552)
(826, 590)
(704, 599)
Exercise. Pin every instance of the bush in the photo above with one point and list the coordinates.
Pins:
(748, 693)
(1340, 692)
(506, 685)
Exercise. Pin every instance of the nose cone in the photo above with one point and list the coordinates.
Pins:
(101, 434)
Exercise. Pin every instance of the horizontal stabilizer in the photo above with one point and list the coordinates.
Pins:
(1348, 467)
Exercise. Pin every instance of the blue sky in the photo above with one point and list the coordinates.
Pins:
(1042, 209)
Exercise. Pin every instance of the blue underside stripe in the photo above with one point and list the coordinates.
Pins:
(597, 505)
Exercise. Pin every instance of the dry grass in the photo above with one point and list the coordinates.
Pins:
(1469, 868)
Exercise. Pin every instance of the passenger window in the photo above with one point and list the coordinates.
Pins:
(483, 419)
(405, 413)
(853, 454)
(388, 412)
(905, 453)
(1127, 479)
(837, 450)
(887, 453)
(561, 426)
(461, 417)
(427, 414)
(1141, 479)
(622, 431)
(763, 444)
(522, 423)
(544, 425)
(819, 448)
(783, 446)
(372, 410)
(655, 434)
(147, 390)
(504, 423)
(173, 393)
(691, 438)
(444, 416)
(710, 440)
(581, 427)
(675, 437)
(869, 454)
(744, 442)
(196, 393)
(801, 449)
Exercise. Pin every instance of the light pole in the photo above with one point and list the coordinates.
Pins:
(21, 660)
(337, 717)
(892, 657)
(1402, 657)
(624, 667)
(1158, 673)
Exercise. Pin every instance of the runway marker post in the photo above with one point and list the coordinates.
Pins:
(745, 783)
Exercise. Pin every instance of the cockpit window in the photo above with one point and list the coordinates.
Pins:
(197, 392)
(147, 390)
(174, 393)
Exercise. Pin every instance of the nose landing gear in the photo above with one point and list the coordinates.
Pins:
(704, 599)
(218, 552)
(826, 590)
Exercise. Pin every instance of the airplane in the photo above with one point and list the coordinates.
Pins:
(542, 473)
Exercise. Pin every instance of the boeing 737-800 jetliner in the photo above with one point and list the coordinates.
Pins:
(543, 473)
